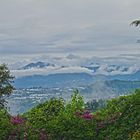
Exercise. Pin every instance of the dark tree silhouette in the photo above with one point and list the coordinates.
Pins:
(6, 80)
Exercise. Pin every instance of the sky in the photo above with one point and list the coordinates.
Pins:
(33, 28)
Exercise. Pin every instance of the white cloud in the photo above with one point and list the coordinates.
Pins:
(78, 64)
(50, 70)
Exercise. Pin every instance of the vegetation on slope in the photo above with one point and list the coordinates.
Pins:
(57, 120)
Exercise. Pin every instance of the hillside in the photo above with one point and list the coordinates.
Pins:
(22, 100)
(54, 80)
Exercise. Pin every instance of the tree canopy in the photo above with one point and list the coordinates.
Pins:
(6, 80)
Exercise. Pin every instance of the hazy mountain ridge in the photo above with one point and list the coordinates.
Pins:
(73, 65)
(26, 98)
(111, 88)
(70, 79)
(41, 80)
(54, 80)
(36, 65)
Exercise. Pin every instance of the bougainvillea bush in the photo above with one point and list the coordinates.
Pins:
(57, 120)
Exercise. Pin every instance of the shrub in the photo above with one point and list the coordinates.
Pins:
(121, 117)
(57, 120)
(5, 124)
(136, 135)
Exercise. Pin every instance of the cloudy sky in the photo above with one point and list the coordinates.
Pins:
(32, 28)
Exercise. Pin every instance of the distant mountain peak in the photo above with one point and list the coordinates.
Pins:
(72, 56)
(38, 64)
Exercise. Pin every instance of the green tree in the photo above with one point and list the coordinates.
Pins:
(6, 80)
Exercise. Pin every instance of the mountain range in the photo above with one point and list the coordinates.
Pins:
(36, 65)
(43, 80)
(97, 68)
(70, 79)
(52, 75)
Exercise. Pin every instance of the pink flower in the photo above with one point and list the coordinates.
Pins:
(17, 120)
(87, 116)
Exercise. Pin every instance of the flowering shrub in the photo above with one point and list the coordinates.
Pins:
(85, 115)
(17, 120)
(57, 120)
